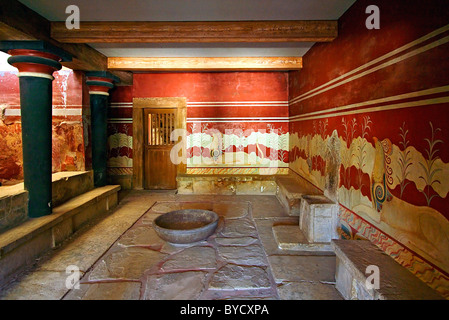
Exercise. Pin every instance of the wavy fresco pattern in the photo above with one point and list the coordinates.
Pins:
(374, 176)
(208, 146)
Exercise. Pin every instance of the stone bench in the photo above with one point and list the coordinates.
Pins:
(65, 185)
(316, 228)
(396, 282)
(290, 191)
(226, 184)
(22, 244)
(318, 216)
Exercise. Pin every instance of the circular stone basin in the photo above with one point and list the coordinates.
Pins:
(185, 226)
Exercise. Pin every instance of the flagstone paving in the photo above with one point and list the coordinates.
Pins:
(121, 257)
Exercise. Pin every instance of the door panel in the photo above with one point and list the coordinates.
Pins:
(160, 172)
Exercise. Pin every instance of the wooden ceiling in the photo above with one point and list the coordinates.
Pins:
(196, 32)
(18, 22)
(205, 63)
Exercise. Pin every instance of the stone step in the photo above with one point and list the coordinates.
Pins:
(291, 237)
(290, 191)
(21, 245)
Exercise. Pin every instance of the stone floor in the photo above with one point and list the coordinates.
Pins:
(121, 256)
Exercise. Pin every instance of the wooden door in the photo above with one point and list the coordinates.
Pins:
(160, 172)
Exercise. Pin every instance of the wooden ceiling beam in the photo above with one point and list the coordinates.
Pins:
(18, 22)
(206, 64)
(197, 31)
(9, 33)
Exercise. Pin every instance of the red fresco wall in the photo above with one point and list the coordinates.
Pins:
(120, 131)
(213, 86)
(391, 86)
(68, 146)
(230, 102)
(242, 101)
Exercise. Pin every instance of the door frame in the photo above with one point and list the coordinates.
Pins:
(139, 104)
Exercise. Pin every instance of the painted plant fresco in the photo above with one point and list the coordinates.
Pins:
(388, 106)
(375, 175)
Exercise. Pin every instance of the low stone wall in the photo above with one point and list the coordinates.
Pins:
(226, 184)
(65, 186)
(13, 207)
(124, 180)
(22, 245)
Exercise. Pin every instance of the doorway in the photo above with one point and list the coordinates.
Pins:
(154, 119)
(160, 172)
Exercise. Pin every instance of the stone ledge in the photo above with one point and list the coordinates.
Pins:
(291, 190)
(12, 238)
(396, 282)
(227, 177)
(291, 237)
(65, 185)
(60, 180)
(297, 186)
(317, 200)
(13, 207)
(226, 184)
(20, 245)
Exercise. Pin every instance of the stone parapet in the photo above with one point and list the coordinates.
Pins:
(226, 184)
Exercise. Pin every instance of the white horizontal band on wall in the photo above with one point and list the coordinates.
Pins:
(404, 96)
(55, 112)
(205, 104)
(402, 105)
(120, 120)
(277, 119)
(237, 104)
(368, 66)
(67, 112)
(121, 105)
(192, 120)
(54, 105)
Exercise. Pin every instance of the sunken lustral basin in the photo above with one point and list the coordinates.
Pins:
(186, 226)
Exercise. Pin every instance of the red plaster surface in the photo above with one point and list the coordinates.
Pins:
(68, 150)
(211, 87)
(10, 152)
(121, 94)
(401, 23)
(208, 86)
